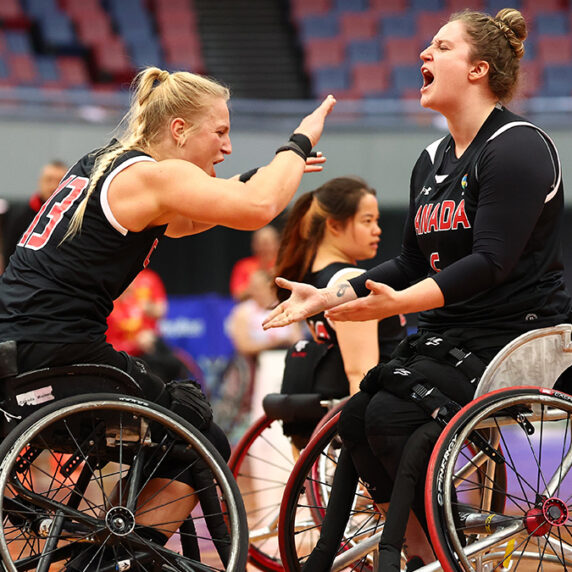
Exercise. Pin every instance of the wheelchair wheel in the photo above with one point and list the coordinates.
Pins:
(261, 464)
(304, 505)
(97, 482)
(499, 491)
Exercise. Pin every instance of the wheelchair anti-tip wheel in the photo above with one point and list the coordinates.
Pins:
(479, 521)
(304, 506)
(98, 482)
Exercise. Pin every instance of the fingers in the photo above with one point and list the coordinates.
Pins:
(283, 283)
(328, 104)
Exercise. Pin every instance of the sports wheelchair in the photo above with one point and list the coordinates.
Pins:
(498, 487)
(92, 476)
(262, 462)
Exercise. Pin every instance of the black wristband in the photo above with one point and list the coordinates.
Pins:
(303, 142)
(246, 176)
(299, 143)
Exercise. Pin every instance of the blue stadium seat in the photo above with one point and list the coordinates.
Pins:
(351, 5)
(39, 8)
(18, 41)
(551, 24)
(363, 51)
(557, 80)
(406, 78)
(493, 6)
(325, 26)
(57, 33)
(426, 5)
(144, 55)
(402, 25)
(330, 80)
(48, 69)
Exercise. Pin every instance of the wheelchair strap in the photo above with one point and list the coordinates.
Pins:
(440, 348)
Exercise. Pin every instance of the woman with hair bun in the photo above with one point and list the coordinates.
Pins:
(480, 262)
(102, 224)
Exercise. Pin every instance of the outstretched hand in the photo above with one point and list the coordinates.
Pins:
(305, 301)
(312, 125)
(379, 304)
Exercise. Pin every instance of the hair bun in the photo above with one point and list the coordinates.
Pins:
(513, 25)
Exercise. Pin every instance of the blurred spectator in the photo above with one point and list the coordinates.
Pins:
(264, 247)
(133, 326)
(18, 217)
(257, 345)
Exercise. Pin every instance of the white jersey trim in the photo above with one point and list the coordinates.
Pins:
(546, 138)
(105, 187)
(341, 273)
(432, 149)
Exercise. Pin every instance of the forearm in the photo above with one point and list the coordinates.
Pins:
(425, 295)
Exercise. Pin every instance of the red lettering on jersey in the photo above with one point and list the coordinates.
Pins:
(35, 240)
(460, 217)
(434, 220)
(422, 218)
(148, 257)
(319, 331)
(433, 260)
(447, 209)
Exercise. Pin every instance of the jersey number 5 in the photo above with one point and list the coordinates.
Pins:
(54, 209)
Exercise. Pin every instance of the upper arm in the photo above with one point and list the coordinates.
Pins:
(168, 191)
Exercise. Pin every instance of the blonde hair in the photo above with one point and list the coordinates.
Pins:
(500, 42)
(157, 97)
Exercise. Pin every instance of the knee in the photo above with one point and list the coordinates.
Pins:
(351, 425)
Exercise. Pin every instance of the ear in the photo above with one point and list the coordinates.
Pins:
(478, 70)
(177, 128)
(334, 226)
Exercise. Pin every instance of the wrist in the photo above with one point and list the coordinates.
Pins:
(299, 143)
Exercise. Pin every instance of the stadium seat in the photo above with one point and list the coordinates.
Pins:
(330, 80)
(402, 51)
(532, 7)
(557, 80)
(402, 25)
(551, 23)
(73, 72)
(429, 23)
(300, 9)
(426, 5)
(493, 6)
(363, 51)
(93, 28)
(18, 41)
(324, 26)
(350, 5)
(22, 69)
(370, 79)
(554, 49)
(112, 62)
(452, 6)
(358, 25)
(12, 15)
(383, 7)
(324, 53)
(407, 78)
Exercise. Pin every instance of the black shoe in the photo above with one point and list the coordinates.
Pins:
(414, 563)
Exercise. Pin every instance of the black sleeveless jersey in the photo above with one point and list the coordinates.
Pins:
(390, 331)
(486, 228)
(56, 290)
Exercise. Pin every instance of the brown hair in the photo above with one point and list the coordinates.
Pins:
(338, 199)
(157, 97)
(500, 42)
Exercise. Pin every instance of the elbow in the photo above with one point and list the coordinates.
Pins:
(260, 215)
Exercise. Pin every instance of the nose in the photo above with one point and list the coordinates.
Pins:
(425, 55)
(377, 230)
(226, 146)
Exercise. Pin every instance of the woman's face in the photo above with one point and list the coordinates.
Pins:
(360, 236)
(445, 69)
(210, 142)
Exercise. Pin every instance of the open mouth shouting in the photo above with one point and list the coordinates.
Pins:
(427, 78)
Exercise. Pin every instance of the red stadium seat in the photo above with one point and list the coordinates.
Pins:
(530, 78)
(324, 53)
(402, 51)
(370, 79)
(458, 5)
(358, 25)
(381, 7)
(112, 61)
(554, 49)
(73, 71)
(429, 23)
(300, 9)
(22, 69)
